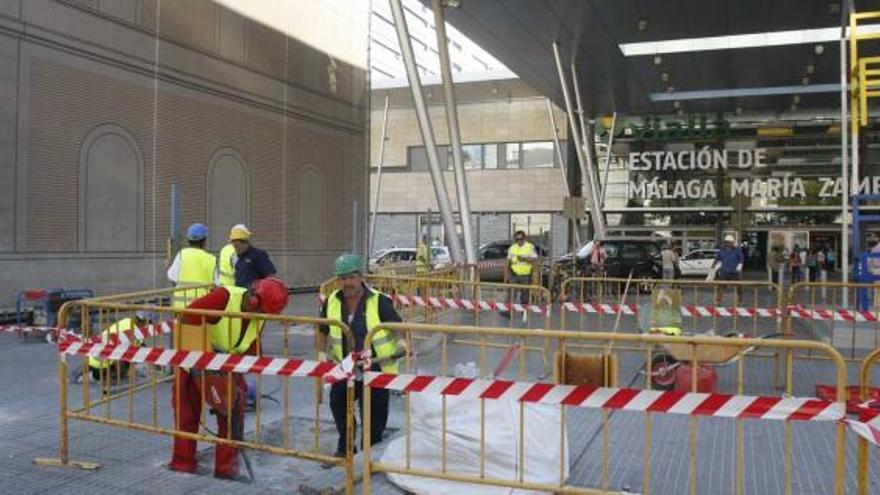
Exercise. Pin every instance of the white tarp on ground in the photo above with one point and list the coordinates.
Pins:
(542, 451)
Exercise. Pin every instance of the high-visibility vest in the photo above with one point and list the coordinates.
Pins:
(384, 342)
(225, 268)
(423, 258)
(226, 334)
(197, 267)
(523, 265)
(123, 325)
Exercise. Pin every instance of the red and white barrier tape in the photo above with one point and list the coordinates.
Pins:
(868, 425)
(235, 363)
(686, 310)
(466, 304)
(674, 402)
(832, 314)
(25, 329)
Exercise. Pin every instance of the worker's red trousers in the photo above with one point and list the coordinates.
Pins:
(190, 409)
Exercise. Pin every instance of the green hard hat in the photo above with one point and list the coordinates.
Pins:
(347, 264)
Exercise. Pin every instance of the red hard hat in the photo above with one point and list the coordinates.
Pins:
(272, 294)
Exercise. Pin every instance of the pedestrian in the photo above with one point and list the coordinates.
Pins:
(831, 259)
(669, 261)
(227, 257)
(812, 266)
(729, 261)
(521, 257)
(597, 259)
(193, 265)
(252, 263)
(238, 336)
(423, 256)
(776, 262)
(794, 262)
(362, 309)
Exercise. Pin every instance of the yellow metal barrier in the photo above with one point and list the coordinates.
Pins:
(825, 311)
(129, 396)
(698, 349)
(720, 306)
(865, 381)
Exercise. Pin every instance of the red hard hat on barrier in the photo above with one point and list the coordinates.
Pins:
(272, 294)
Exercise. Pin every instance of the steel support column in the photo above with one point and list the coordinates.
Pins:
(586, 138)
(572, 223)
(371, 242)
(844, 165)
(595, 213)
(427, 130)
(464, 202)
(604, 184)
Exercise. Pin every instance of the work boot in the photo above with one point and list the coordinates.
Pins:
(327, 465)
(225, 462)
(183, 458)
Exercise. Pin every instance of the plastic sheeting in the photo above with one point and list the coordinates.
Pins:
(542, 447)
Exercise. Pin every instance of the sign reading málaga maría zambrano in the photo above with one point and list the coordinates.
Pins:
(714, 160)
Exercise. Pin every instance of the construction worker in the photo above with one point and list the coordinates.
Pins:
(423, 256)
(251, 263)
(98, 366)
(193, 265)
(226, 259)
(231, 336)
(362, 308)
(521, 255)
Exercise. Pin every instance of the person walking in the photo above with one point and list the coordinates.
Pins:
(228, 335)
(776, 261)
(362, 309)
(669, 261)
(794, 262)
(193, 265)
(831, 259)
(729, 263)
(252, 263)
(812, 266)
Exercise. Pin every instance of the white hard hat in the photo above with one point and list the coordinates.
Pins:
(729, 238)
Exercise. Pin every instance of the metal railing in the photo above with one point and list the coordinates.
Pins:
(697, 351)
(865, 381)
(128, 396)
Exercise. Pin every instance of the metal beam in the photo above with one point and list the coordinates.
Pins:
(426, 129)
(844, 165)
(711, 94)
(595, 214)
(586, 139)
(572, 223)
(378, 179)
(464, 202)
(604, 184)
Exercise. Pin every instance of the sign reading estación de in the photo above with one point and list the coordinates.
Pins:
(708, 160)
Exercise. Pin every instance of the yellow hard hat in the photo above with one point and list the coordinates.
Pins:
(239, 233)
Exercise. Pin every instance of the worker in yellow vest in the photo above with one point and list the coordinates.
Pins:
(423, 256)
(362, 309)
(228, 257)
(230, 336)
(192, 266)
(521, 257)
(98, 366)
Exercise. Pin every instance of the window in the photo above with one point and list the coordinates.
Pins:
(511, 155)
(537, 155)
(472, 156)
(630, 252)
(418, 158)
(490, 156)
(533, 224)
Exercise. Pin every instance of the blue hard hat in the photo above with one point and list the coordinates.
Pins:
(197, 232)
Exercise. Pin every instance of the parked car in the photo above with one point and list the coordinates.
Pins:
(641, 257)
(497, 251)
(697, 262)
(402, 256)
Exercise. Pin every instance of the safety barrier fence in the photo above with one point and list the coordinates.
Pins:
(738, 400)
(137, 378)
(847, 316)
(868, 425)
